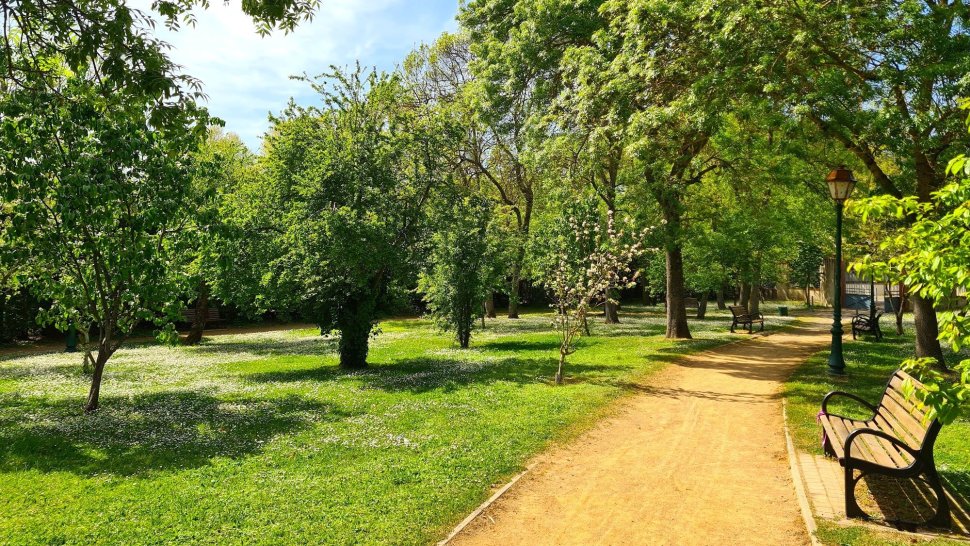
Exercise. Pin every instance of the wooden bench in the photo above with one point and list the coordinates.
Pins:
(691, 303)
(741, 317)
(896, 441)
(211, 317)
(866, 324)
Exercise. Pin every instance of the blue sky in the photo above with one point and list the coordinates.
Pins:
(246, 76)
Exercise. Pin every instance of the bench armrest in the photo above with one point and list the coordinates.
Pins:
(825, 401)
(880, 434)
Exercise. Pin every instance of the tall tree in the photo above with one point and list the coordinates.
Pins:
(654, 61)
(882, 78)
(516, 78)
(353, 178)
(213, 236)
(459, 272)
(99, 194)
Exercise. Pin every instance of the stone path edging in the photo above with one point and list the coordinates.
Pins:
(803, 504)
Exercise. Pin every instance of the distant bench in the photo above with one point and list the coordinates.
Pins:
(865, 324)
(211, 317)
(896, 441)
(742, 318)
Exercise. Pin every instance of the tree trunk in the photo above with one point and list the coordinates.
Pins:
(927, 330)
(514, 288)
(702, 306)
(721, 304)
(677, 327)
(745, 295)
(562, 363)
(808, 296)
(201, 314)
(94, 395)
(463, 338)
(490, 306)
(899, 311)
(612, 306)
(355, 325)
(754, 292)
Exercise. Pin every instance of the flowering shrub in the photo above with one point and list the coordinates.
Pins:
(583, 261)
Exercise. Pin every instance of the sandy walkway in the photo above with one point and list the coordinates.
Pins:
(697, 458)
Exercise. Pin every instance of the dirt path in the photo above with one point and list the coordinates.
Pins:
(697, 458)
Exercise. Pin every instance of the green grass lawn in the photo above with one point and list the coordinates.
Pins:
(259, 439)
(869, 366)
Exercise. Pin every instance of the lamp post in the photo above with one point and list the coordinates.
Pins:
(841, 183)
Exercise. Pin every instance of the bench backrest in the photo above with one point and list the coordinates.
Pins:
(906, 417)
(211, 315)
(690, 302)
(738, 310)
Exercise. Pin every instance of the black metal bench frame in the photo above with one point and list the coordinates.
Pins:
(923, 463)
(866, 324)
(745, 318)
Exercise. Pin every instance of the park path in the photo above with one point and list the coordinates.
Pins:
(697, 457)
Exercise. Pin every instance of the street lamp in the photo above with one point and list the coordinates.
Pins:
(841, 183)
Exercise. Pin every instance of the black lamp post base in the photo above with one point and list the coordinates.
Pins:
(836, 366)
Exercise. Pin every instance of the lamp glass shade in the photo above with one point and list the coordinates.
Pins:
(841, 183)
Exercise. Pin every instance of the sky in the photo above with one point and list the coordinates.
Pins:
(246, 76)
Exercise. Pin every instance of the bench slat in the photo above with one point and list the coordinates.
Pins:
(893, 427)
(903, 420)
(902, 407)
(886, 453)
(865, 446)
(836, 439)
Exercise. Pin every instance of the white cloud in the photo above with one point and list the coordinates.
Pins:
(247, 76)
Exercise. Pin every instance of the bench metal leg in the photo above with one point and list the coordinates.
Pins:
(852, 509)
(941, 519)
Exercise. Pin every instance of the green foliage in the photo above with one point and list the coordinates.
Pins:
(115, 38)
(460, 272)
(804, 270)
(223, 248)
(931, 255)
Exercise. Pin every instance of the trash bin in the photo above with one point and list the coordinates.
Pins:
(783, 310)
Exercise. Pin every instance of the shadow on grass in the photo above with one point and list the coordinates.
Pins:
(417, 375)
(19, 371)
(317, 345)
(511, 345)
(145, 433)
